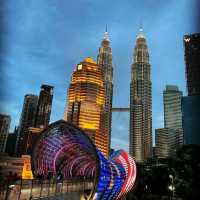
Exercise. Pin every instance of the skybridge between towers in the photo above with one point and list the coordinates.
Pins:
(118, 114)
(121, 109)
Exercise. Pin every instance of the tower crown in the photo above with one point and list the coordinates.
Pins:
(105, 36)
(140, 34)
(141, 50)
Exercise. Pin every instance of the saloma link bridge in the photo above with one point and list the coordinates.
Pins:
(83, 172)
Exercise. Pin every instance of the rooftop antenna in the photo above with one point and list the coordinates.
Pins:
(141, 33)
(141, 25)
(105, 37)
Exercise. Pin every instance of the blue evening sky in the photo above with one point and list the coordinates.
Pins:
(43, 40)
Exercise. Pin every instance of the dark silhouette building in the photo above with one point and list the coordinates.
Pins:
(140, 102)
(27, 120)
(192, 62)
(44, 106)
(191, 116)
(191, 103)
(4, 130)
(35, 116)
(11, 142)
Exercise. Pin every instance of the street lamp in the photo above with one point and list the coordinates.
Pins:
(171, 187)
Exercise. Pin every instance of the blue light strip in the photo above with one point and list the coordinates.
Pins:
(111, 178)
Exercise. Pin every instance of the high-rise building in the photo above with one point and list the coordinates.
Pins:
(172, 107)
(191, 103)
(4, 130)
(191, 116)
(104, 61)
(44, 106)
(165, 139)
(86, 101)
(140, 102)
(27, 120)
(11, 142)
(192, 61)
(173, 112)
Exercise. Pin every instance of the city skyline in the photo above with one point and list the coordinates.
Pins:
(29, 56)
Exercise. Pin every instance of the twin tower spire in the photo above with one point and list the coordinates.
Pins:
(91, 110)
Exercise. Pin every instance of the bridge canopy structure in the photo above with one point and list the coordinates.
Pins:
(120, 109)
(66, 151)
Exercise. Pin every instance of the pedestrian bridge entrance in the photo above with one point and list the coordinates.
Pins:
(47, 189)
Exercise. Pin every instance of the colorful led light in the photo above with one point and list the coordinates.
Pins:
(63, 148)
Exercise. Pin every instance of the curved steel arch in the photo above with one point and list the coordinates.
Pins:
(66, 149)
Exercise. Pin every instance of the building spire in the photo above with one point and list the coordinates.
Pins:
(106, 37)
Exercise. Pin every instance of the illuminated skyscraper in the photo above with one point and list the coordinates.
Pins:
(104, 60)
(86, 100)
(44, 106)
(140, 102)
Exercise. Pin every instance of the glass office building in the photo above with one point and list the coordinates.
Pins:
(191, 123)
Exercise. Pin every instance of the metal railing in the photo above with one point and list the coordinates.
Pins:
(35, 189)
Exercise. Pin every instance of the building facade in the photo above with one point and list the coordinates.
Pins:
(165, 139)
(4, 131)
(104, 61)
(11, 165)
(140, 145)
(27, 120)
(190, 103)
(11, 142)
(44, 107)
(172, 107)
(86, 101)
(192, 62)
(173, 112)
(191, 115)
(32, 137)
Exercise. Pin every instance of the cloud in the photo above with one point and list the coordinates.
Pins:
(44, 40)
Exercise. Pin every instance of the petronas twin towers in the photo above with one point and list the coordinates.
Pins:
(85, 87)
(140, 138)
